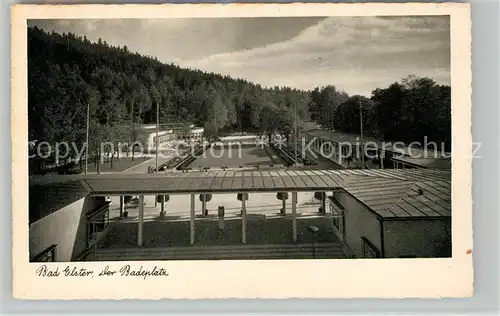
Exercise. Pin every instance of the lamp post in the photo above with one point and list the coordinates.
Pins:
(313, 230)
(283, 196)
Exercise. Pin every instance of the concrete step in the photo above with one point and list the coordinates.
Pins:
(248, 247)
(239, 256)
(291, 256)
(307, 251)
(303, 251)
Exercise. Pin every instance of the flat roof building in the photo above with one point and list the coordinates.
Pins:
(180, 130)
(344, 149)
(426, 163)
(146, 137)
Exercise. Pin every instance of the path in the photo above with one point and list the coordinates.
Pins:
(143, 167)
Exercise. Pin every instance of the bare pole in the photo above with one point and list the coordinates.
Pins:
(295, 132)
(157, 127)
(362, 137)
(157, 141)
(87, 147)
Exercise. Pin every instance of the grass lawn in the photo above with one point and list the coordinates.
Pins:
(119, 165)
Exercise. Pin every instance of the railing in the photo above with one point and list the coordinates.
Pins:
(48, 255)
(192, 157)
(98, 211)
(88, 254)
(289, 160)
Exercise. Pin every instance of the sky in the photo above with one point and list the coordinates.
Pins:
(355, 54)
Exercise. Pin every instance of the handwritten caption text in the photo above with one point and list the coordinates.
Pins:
(124, 271)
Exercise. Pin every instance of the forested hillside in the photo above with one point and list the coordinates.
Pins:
(67, 72)
(122, 89)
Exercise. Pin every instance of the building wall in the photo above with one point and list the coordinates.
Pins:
(147, 138)
(66, 228)
(163, 137)
(338, 155)
(402, 165)
(193, 133)
(333, 152)
(421, 238)
(359, 223)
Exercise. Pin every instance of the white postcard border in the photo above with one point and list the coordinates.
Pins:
(256, 279)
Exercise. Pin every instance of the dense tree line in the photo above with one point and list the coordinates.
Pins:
(122, 89)
(66, 73)
(412, 110)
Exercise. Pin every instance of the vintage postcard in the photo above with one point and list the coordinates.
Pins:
(241, 151)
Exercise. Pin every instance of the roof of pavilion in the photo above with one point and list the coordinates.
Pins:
(393, 198)
(384, 191)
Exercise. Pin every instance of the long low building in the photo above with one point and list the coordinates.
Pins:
(424, 163)
(345, 149)
(191, 134)
(183, 130)
(145, 136)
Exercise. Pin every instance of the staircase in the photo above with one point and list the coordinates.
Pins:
(239, 252)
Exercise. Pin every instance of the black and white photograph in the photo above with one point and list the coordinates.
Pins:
(239, 138)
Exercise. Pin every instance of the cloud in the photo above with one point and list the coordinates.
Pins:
(184, 39)
(358, 54)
